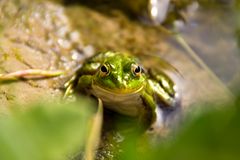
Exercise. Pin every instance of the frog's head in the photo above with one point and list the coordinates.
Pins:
(121, 74)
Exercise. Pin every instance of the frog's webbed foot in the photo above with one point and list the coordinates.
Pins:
(69, 85)
(167, 98)
(148, 116)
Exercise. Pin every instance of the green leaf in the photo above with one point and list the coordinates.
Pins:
(211, 135)
(44, 132)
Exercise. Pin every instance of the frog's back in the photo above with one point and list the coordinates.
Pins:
(100, 57)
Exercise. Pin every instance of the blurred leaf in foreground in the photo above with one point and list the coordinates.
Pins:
(44, 131)
(211, 135)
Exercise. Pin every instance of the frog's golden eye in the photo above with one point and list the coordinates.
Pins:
(104, 71)
(136, 70)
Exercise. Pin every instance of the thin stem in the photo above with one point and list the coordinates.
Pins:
(192, 53)
(95, 133)
(30, 74)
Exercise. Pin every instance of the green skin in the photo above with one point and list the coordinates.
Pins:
(124, 87)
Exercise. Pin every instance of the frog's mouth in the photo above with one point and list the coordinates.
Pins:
(117, 92)
(126, 102)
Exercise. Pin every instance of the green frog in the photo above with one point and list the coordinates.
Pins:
(124, 86)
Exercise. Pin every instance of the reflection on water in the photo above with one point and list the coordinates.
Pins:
(211, 34)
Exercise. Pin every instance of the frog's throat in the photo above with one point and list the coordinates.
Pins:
(117, 92)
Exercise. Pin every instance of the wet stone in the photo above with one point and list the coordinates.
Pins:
(36, 35)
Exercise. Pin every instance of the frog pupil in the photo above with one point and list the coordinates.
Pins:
(137, 70)
(104, 69)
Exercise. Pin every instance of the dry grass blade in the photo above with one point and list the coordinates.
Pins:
(29, 74)
(95, 133)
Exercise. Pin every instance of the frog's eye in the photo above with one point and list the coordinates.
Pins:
(136, 70)
(104, 71)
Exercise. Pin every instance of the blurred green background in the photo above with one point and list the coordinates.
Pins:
(212, 135)
(44, 131)
(49, 132)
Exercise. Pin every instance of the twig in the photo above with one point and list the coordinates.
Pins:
(95, 133)
(29, 74)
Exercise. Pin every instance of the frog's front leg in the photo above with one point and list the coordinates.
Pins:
(81, 78)
(149, 115)
(154, 115)
(77, 84)
(164, 89)
(161, 96)
(84, 83)
(166, 97)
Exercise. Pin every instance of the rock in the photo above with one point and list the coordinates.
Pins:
(36, 35)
